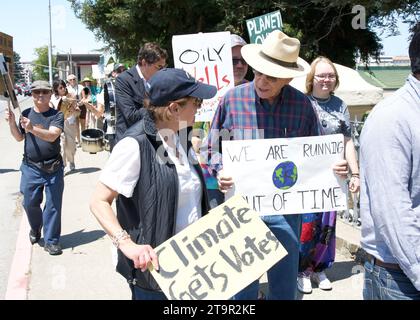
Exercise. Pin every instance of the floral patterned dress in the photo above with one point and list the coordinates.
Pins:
(317, 241)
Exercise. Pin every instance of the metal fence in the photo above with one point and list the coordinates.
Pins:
(352, 215)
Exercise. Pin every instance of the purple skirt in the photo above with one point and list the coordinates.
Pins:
(317, 241)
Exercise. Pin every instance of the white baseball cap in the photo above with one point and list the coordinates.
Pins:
(236, 40)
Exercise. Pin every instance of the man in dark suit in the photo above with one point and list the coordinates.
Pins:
(130, 86)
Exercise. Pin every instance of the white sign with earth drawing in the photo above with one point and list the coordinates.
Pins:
(287, 176)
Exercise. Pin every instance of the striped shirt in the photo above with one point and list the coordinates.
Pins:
(241, 115)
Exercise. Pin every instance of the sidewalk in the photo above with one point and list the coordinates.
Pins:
(86, 269)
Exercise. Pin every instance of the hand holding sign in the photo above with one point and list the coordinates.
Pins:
(143, 256)
(340, 168)
(224, 182)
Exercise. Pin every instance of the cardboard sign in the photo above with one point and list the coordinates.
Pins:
(208, 58)
(4, 72)
(217, 256)
(287, 176)
(260, 27)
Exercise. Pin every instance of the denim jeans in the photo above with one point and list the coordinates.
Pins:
(216, 197)
(138, 293)
(32, 185)
(282, 277)
(387, 284)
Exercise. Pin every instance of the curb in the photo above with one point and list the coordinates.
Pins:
(20, 270)
(348, 242)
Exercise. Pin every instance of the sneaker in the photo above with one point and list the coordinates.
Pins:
(34, 236)
(68, 170)
(53, 249)
(321, 279)
(72, 166)
(304, 282)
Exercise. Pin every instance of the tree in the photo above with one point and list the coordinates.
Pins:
(117, 22)
(41, 63)
(19, 75)
(323, 27)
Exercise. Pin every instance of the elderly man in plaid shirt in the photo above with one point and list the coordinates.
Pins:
(267, 108)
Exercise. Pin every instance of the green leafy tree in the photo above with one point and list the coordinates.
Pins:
(18, 73)
(323, 27)
(41, 63)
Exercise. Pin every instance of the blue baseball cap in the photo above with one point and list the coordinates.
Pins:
(171, 84)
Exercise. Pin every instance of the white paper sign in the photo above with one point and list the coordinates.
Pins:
(217, 256)
(287, 176)
(208, 58)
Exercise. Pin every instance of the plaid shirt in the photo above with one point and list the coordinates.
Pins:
(244, 115)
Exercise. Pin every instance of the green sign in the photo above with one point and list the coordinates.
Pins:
(260, 27)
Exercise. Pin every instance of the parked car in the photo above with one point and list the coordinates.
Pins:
(18, 89)
(27, 91)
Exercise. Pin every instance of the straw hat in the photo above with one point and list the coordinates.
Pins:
(86, 79)
(277, 56)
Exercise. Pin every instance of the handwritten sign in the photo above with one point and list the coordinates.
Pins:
(260, 27)
(217, 256)
(287, 176)
(208, 58)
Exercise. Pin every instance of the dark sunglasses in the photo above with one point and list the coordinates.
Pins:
(269, 78)
(41, 91)
(236, 61)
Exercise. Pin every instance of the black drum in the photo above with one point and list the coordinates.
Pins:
(92, 140)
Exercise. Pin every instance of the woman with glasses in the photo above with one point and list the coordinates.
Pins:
(317, 249)
(155, 174)
(66, 103)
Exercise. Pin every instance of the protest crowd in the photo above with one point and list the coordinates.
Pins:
(184, 142)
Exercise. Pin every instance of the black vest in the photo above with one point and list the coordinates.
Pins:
(149, 216)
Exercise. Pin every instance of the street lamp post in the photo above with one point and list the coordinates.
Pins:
(50, 46)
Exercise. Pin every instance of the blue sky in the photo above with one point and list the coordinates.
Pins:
(27, 22)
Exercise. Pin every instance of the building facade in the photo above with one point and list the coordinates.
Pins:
(27, 72)
(78, 64)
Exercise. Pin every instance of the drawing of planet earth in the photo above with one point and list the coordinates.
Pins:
(285, 175)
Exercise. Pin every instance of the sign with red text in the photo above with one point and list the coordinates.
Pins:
(287, 175)
(218, 255)
(208, 58)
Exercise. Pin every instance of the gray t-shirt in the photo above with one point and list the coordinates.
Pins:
(333, 115)
(37, 149)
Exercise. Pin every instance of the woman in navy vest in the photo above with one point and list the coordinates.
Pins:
(155, 176)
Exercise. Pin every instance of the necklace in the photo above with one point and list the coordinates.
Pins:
(319, 100)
